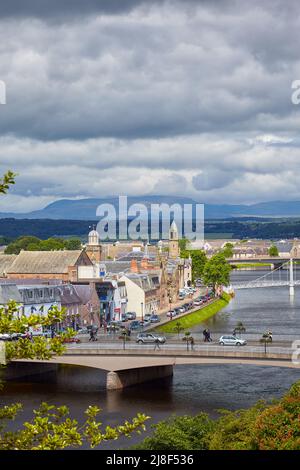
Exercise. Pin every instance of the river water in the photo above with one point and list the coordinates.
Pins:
(193, 388)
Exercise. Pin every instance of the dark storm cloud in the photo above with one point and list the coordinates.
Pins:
(64, 8)
(158, 96)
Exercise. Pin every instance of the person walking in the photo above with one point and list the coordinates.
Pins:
(92, 335)
(204, 335)
(156, 344)
(192, 341)
(209, 338)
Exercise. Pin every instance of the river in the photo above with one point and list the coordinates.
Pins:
(193, 388)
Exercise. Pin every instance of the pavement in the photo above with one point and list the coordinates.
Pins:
(173, 345)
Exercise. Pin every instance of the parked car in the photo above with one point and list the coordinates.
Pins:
(131, 315)
(5, 337)
(171, 313)
(145, 322)
(197, 302)
(134, 325)
(143, 338)
(181, 296)
(147, 316)
(182, 309)
(124, 317)
(154, 319)
(230, 340)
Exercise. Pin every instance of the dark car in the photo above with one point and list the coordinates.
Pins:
(134, 325)
(131, 315)
(154, 319)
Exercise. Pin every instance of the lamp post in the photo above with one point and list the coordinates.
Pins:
(142, 311)
(170, 305)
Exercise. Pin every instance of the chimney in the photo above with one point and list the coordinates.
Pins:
(134, 266)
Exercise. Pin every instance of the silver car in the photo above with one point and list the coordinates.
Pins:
(144, 338)
(230, 340)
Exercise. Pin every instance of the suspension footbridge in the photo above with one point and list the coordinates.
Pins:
(285, 275)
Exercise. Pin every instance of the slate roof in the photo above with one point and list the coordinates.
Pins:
(84, 292)
(116, 267)
(9, 292)
(44, 262)
(68, 294)
(147, 282)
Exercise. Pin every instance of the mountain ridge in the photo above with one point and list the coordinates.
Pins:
(85, 208)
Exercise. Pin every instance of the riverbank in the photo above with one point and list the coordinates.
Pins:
(194, 318)
(251, 266)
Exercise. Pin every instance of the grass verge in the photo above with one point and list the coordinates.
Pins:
(194, 318)
(250, 265)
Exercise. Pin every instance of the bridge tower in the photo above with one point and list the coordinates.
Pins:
(292, 288)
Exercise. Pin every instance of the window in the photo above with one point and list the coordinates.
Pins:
(41, 293)
(30, 294)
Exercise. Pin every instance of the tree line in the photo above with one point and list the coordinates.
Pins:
(30, 243)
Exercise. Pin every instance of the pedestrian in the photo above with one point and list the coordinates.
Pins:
(156, 344)
(204, 335)
(209, 339)
(92, 338)
(192, 342)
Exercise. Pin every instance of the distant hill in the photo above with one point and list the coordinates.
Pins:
(85, 209)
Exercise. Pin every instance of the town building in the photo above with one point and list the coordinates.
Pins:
(38, 298)
(60, 265)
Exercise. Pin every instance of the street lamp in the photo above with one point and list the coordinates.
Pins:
(142, 311)
(170, 305)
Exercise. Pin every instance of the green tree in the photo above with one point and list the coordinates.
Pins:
(52, 244)
(22, 243)
(273, 251)
(240, 328)
(228, 250)
(180, 433)
(183, 242)
(31, 243)
(73, 244)
(263, 426)
(216, 271)
(178, 328)
(198, 261)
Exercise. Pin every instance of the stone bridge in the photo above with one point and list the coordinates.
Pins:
(130, 367)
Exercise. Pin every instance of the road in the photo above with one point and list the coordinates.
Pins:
(179, 346)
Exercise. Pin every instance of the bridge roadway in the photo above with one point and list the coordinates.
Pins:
(141, 363)
(262, 259)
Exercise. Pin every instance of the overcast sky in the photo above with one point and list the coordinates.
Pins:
(129, 97)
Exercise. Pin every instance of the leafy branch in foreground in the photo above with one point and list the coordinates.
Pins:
(52, 428)
(6, 181)
(39, 347)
